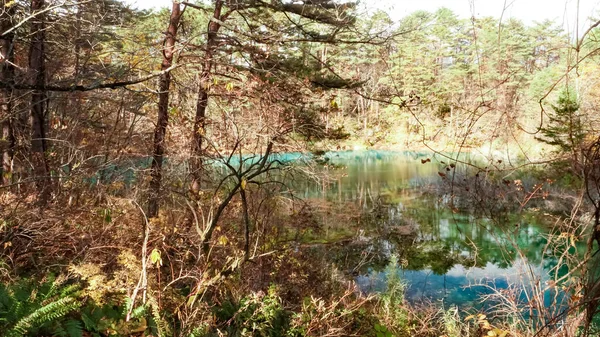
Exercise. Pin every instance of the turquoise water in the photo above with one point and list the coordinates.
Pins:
(446, 254)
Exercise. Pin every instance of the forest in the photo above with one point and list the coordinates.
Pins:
(296, 168)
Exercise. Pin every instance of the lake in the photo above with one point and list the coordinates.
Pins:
(448, 254)
(452, 253)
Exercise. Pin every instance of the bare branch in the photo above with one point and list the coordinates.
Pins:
(90, 87)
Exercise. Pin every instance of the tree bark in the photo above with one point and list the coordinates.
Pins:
(37, 69)
(7, 142)
(163, 111)
(203, 95)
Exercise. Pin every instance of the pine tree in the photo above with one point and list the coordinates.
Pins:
(564, 128)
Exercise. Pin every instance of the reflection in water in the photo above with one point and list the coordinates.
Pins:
(364, 176)
(463, 286)
(445, 254)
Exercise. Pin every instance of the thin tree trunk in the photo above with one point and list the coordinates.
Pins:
(37, 68)
(163, 111)
(78, 42)
(6, 75)
(246, 222)
(203, 95)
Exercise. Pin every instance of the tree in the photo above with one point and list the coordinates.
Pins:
(7, 142)
(265, 24)
(564, 128)
(163, 109)
(203, 90)
(274, 60)
(37, 77)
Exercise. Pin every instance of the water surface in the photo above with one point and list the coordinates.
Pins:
(446, 254)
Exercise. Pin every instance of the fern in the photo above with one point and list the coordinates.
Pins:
(48, 289)
(31, 308)
(71, 328)
(70, 290)
(139, 312)
(90, 322)
(74, 328)
(126, 306)
(48, 313)
(96, 319)
(162, 327)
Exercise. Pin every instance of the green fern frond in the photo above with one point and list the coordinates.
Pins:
(5, 297)
(139, 312)
(70, 290)
(20, 290)
(45, 314)
(49, 287)
(126, 306)
(89, 322)
(162, 327)
(59, 331)
(17, 309)
(74, 328)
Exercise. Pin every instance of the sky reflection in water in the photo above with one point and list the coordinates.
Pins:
(450, 254)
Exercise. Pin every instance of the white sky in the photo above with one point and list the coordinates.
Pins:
(563, 12)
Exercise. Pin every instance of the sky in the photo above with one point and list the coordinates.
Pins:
(563, 12)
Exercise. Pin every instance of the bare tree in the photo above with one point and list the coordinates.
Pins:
(37, 67)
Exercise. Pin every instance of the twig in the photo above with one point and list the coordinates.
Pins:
(143, 281)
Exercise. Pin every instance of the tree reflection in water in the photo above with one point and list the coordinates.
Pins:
(444, 252)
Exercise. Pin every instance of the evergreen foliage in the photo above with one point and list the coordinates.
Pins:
(564, 128)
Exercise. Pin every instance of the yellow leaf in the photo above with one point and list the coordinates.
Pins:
(155, 257)
(7, 244)
(491, 333)
(243, 184)
(229, 86)
(10, 4)
(469, 317)
(223, 240)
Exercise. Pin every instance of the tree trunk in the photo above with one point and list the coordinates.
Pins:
(203, 94)
(7, 142)
(37, 69)
(163, 111)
